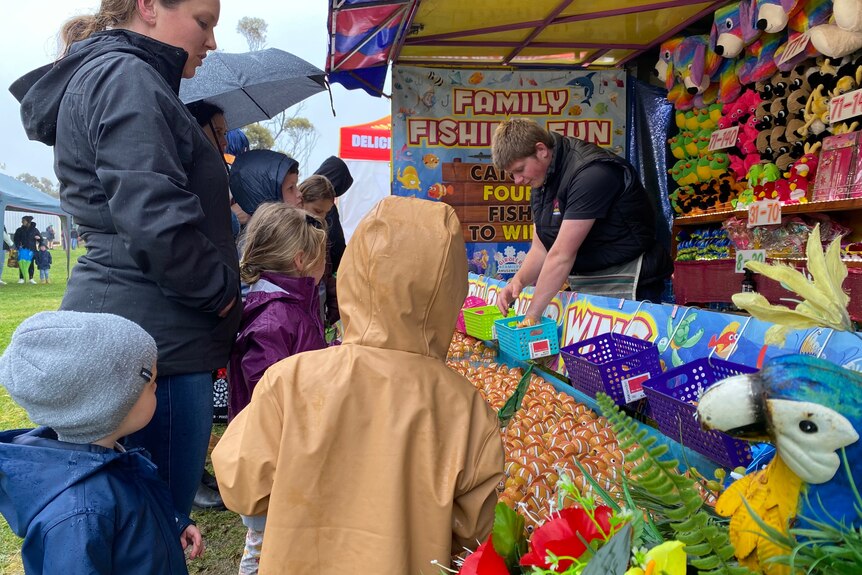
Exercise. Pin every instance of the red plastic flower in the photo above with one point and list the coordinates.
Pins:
(484, 561)
(560, 536)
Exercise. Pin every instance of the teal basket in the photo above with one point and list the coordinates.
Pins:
(525, 343)
(479, 321)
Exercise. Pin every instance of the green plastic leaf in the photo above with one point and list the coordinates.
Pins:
(613, 557)
(513, 404)
(509, 537)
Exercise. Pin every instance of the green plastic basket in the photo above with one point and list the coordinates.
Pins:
(479, 321)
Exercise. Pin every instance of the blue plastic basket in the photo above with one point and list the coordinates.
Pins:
(672, 398)
(525, 343)
(613, 363)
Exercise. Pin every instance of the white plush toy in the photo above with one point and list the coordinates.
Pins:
(843, 35)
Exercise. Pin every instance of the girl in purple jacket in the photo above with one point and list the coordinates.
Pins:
(283, 259)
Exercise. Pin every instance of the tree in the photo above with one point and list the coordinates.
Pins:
(259, 137)
(254, 32)
(42, 184)
(298, 137)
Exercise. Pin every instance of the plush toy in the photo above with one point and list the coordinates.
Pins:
(816, 114)
(844, 36)
(694, 64)
(772, 16)
(677, 148)
(726, 36)
(759, 63)
(664, 71)
(802, 173)
(799, 93)
(808, 14)
(762, 117)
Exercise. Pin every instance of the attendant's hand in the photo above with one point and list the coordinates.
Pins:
(191, 537)
(507, 295)
(529, 320)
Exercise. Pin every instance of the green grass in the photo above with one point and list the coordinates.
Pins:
(222, 530)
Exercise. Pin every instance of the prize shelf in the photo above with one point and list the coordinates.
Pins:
(706, 281)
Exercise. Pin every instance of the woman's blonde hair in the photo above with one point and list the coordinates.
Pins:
(112, 13)
(315, 188)
(273, 238)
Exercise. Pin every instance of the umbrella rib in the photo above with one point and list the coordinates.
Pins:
(253, 101)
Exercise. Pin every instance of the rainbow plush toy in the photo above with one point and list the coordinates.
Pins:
(696, 65)
(664, 70)
(726, 37)
(807, 15)
(772, 16)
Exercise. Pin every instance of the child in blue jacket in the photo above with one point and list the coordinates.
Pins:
(43, 261)
(82, 503)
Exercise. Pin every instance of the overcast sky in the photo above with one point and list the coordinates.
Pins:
(28, 32)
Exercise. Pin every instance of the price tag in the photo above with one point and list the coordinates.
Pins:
(845, 106)
(725, 138)
(540, 348)
(743, 256)
(764, 213)
(794, 48)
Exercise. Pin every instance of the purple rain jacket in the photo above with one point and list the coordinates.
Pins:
(281, 318)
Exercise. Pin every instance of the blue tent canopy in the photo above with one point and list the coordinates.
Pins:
(18, 195)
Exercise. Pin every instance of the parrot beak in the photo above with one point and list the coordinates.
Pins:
(736, 406)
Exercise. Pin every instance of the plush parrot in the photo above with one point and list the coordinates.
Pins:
(809, 408)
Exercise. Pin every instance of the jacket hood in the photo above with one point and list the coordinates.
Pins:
(41, 90)
(271, 286)
(35, 468)
(256, 178)
(403, 277)
(336, 171)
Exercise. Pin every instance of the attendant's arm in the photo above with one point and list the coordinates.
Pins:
(525, 276)
(558, 265)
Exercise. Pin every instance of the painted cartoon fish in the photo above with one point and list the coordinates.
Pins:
(438, 190)
(404, 154)
(723, 344)
(585, 82)
(619, 131)
(476, 77)
(480, 156)
(409, 179)
(431, 161)
(601, 108)
(576, 110)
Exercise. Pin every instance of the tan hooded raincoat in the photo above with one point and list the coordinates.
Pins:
(373, 456)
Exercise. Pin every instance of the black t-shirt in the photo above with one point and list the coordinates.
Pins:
(624, 226)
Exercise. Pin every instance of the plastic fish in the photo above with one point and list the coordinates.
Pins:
(585, 82)
(409, 178)
(475, 78)
(431, 161)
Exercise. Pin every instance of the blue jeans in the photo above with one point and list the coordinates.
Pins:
(43, 275)
(178, 435)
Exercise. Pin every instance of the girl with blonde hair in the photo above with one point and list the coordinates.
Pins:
(283, 257)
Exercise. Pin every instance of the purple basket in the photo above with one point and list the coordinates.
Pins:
(613, 363)
(670, 396)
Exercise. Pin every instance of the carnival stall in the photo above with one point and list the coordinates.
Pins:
(718, 433)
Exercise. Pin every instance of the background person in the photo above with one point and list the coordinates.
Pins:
(594, 225)
(420, 446)
(149, 194)
(5, 246)
(26, 241)
(336, 171)
(43, 261)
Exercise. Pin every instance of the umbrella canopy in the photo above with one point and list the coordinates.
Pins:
(253, 86)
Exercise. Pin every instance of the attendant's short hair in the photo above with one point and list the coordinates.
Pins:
(516, 139)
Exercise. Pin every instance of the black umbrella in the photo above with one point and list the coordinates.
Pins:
(253, 86)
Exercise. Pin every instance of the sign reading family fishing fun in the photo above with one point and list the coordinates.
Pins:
(442, 125)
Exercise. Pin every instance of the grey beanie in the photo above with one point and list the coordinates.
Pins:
(78, 373)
